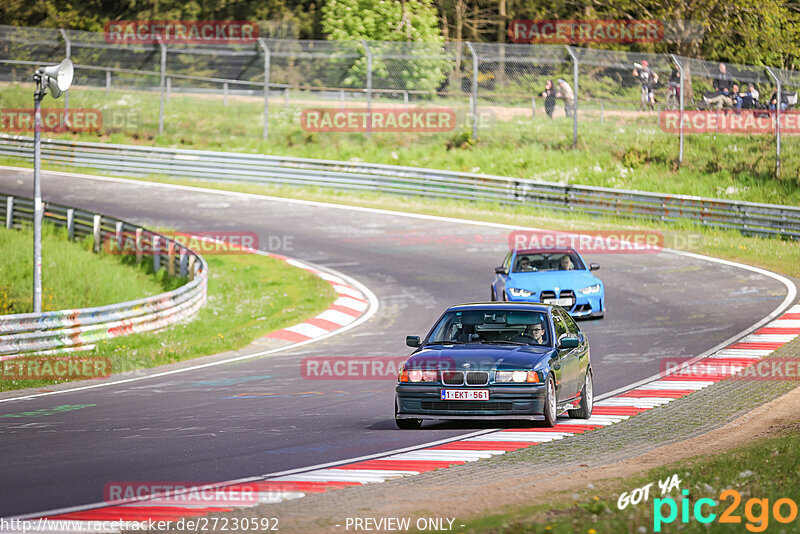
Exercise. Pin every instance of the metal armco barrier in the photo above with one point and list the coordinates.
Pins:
(80, 329)
(748, 217)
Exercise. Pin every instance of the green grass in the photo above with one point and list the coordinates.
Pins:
(627, 151)
(72, 276)
(765, 469)
(248, 297)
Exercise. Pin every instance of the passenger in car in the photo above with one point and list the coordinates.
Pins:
(566, 263)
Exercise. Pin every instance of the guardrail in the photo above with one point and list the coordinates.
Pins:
(748, 217)
(79, 329)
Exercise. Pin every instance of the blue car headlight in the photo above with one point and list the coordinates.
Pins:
(591, 290)
(516, 292)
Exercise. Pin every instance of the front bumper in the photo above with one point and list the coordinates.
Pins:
(505, 402)
(584, 306)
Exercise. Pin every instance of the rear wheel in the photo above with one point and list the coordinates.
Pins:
(550, 415)
(584, 410)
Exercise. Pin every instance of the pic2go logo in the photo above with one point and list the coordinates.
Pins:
(756, 511)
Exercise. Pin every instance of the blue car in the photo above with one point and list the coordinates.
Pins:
(550, 276)
(499, 360)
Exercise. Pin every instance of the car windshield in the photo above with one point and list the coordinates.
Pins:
(492, 326)
(547, 261)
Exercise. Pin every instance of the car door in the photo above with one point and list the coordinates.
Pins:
(500, 278)
(581, 352)
(568, 358)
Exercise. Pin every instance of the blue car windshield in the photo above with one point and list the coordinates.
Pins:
(546, 261)
(492, 326)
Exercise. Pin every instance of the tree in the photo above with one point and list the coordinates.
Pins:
(418, 66)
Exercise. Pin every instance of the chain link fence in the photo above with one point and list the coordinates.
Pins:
(557, 88)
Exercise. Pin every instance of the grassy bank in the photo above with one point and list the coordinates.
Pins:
(627, 150)
(766, 469)
(248, 297)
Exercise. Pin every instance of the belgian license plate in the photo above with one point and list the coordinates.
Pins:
(465, 394)
(567, 302)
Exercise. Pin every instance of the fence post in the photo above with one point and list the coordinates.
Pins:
(182, 262)
(68, 47)
(680, 71)
(263, 43)
(155, 240)
(602, 110)
(369, 87)
(97, 235)
(192, 259)
(225, 94)
(171, 257)
(286, 96)
(9, 213)
(162, 85)
(341, 98)
(533, 106)
(138, 245)
(71, 224)
(777, 124)
(118, 235)
(474, 97)
(169, 87)
(108, 82)
(575, 104)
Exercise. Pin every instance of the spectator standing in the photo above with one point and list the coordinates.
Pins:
(549, 95)
(565, 92)
(723, 79)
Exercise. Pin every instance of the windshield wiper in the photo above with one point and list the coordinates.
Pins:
(449, 342)
(500, 341)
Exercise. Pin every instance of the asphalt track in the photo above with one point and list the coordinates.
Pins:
(260, 416)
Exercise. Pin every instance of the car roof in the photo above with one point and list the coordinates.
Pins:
(547, 250)
(526, 306)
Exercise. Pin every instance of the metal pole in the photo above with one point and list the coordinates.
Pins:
(369, 87)
(575, 104)
(37, 198)
(163, 85)
(265, 49)
(225, 94)
(68, 46)
(474, 96)
(777, 124)
(108, 82)
(680, 70)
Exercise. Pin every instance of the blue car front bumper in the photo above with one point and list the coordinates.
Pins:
(584, 306)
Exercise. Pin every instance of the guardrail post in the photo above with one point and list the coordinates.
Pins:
(10, 213)
(171, 258)
(183, 260)
(118, 235)
(192, 260)
(68, 47)
(680, 71)
(169, 87)
(777, 124)
(71, 224)
(286, 97)
(138, 245)
(474, 96)
(369, 87)
(575, 104)
(162, 84)
(108, 82)
(263, 43)
(97, 234)
(602, 106)
(155, 240)
(225, 94)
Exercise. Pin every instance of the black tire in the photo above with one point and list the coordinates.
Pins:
(493, 297)
(408, 424)
(550, 404)
(584, 410)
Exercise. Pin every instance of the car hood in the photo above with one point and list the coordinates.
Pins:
(480, 357)
(538, 281)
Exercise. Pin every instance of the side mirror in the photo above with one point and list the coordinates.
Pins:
(413, 341)
(594, 266)
(500, 270)
(568, 342)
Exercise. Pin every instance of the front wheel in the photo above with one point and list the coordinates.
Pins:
(550, 415)
(584, 410)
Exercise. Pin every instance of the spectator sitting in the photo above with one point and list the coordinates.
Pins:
(565, 92)
(736, 98)
(549, 95)
(723, 80)
(750, 98)
(721, 100)
(773, 101)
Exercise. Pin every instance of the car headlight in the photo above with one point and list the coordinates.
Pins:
(420, 375)
(591, 290)
(516, 376)
(516, 292)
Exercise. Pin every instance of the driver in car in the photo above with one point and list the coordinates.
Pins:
(533, 335)
(525, 264)
(566, 263)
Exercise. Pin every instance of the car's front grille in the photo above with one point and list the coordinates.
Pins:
(568, 294)
(452, 378)
(465, 405)
(548, 295)
(583, 308)
(477, 378)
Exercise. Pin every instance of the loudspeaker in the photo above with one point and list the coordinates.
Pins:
(59, 77)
